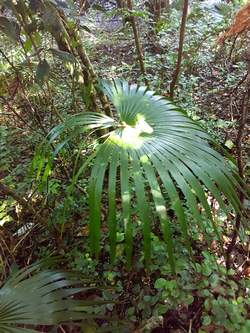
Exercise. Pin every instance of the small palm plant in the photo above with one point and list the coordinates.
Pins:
(41, 297)
(154, 154)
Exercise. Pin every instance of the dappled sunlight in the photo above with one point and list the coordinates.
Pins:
(126, 197)
(132, 136)
(157, 194)
(161, 209)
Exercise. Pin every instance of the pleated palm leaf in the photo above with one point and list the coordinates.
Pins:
(32, 297)
(150, 149)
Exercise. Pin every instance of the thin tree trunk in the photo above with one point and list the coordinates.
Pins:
(83, 6)
(89, 74)
(241, 129)
(63, 36)
(87, 63)
(120, 3)
(156, 7)
(157, 10)
(180, 49)
(137, 41)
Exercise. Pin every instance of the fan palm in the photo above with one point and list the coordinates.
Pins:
(33, 297)
(151, 152)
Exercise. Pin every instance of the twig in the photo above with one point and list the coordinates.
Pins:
(190, 326)
(24, 237)
(239, 83)
(62, 329)
(232, 47)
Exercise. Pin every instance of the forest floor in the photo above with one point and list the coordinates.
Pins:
(211, 89)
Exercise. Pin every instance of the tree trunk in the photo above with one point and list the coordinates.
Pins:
(137, 40)
(156, 7)
(121, 4)
(90, 77)
(180, 50)
(242, 128)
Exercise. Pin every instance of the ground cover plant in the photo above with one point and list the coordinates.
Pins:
(124, 171)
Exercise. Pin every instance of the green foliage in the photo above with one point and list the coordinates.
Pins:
(5, 158)
(42, 297)
(10, 28)
(98, 162)
(6, 207)
(226, 300)
(42, 72)
(149, 138)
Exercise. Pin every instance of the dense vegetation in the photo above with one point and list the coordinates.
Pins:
(124, 166)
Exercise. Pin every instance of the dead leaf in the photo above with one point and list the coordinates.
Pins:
(240, 24)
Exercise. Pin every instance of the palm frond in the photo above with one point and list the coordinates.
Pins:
(156, 146)
(34, 297)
